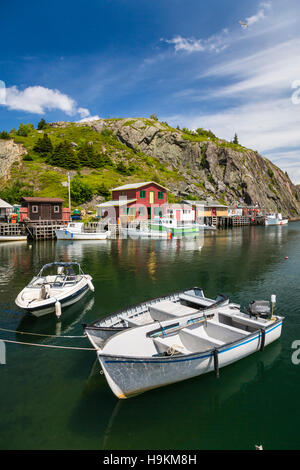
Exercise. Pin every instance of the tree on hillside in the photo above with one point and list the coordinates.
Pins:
(153, 116)
(44, 146)
(63, 155)
(42, 124)
(80, 192)
(4, 135)
(235, 139)
(24, 129)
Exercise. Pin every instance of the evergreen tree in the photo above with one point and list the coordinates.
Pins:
(235, 139)
(63, 155)
(4, 135)
(42, 124)
(44, 146)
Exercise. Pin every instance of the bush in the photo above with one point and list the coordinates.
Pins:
(80, 192)
(27, 158)
(205, 133)
(153, 116)
(24, 129)
(12, 194)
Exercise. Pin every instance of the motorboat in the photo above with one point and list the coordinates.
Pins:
(179, 303)
(275, 219)
(77, 231)
(56, 286)
(162, 353)
(173, 226)
(144, 232)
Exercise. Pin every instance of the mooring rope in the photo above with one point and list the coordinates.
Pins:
(40, 334)
(47, 345)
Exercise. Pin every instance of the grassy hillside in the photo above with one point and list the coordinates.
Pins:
(35, 176)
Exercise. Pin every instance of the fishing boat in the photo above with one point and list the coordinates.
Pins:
(275, 219)
(76, 231)
(176, 304)
(155, 355)
(56, 286)
(173, 226)
(144, 232)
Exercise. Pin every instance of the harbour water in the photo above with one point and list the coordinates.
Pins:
(57, 399)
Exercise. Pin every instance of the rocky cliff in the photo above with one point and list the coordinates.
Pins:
(209, 167)
(10, 153)
(193, 165)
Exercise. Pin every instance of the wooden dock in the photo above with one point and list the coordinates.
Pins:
(43, 229)
(11, 230)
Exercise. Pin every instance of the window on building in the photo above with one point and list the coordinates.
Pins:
(35, 209)
(141, 211)
(142, 194)
(160, 195)
(56, 209)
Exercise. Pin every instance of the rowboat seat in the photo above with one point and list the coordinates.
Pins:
(166, 310)
(196, 300)
(194, 342)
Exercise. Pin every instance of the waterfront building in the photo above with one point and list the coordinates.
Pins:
(143, 201)
(43, 208)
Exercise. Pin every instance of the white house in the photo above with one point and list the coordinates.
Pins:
(5, 210)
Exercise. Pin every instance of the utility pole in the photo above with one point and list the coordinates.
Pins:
(69, 192)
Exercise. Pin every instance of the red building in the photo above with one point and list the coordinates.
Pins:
(135, 201)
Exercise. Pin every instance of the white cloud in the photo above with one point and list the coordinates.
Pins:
(89, 118)
(38, 100)
(215, 43)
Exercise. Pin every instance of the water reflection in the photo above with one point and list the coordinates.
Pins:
(191, 402)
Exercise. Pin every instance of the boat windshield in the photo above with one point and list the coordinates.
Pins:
(65, 275)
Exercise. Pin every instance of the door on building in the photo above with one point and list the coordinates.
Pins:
(46, 212)
(151, 197)
(149, 212)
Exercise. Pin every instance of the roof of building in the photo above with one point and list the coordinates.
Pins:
(114, 203)
(42, 199)
(207, 203)
(137, 185)
(4, 205)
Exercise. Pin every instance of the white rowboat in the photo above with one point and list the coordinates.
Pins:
(155, 355)
(75, 231)
(181, 303)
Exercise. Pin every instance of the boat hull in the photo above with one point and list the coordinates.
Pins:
(276, 222)
(67, 235)
(129, 376)
(48, 306)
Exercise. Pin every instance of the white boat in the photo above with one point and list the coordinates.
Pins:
(50, 292)
(173, 226)
(275, 219)
(76, 231)
(155, 355)
(13, 238)
(178, 303)
(143, 233)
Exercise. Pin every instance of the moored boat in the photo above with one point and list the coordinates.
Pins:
(76, 231)
(275, 219)
(155, 355)
(50, 292)
(173, 226)
(184, 302)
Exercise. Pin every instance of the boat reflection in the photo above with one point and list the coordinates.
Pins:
(191, 401)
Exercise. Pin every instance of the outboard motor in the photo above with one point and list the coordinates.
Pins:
(260, 308)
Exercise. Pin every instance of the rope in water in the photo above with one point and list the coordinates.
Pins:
(40, 334)
(47, 345)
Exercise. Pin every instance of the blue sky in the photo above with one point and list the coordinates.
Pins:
(188, 61)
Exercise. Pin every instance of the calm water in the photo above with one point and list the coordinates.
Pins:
(56, 399)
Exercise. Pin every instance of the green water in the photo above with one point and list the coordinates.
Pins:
(56, 399)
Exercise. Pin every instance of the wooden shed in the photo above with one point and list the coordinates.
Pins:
(42, 208)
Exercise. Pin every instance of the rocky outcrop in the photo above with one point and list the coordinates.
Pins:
(209, 167)
(10, 153)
